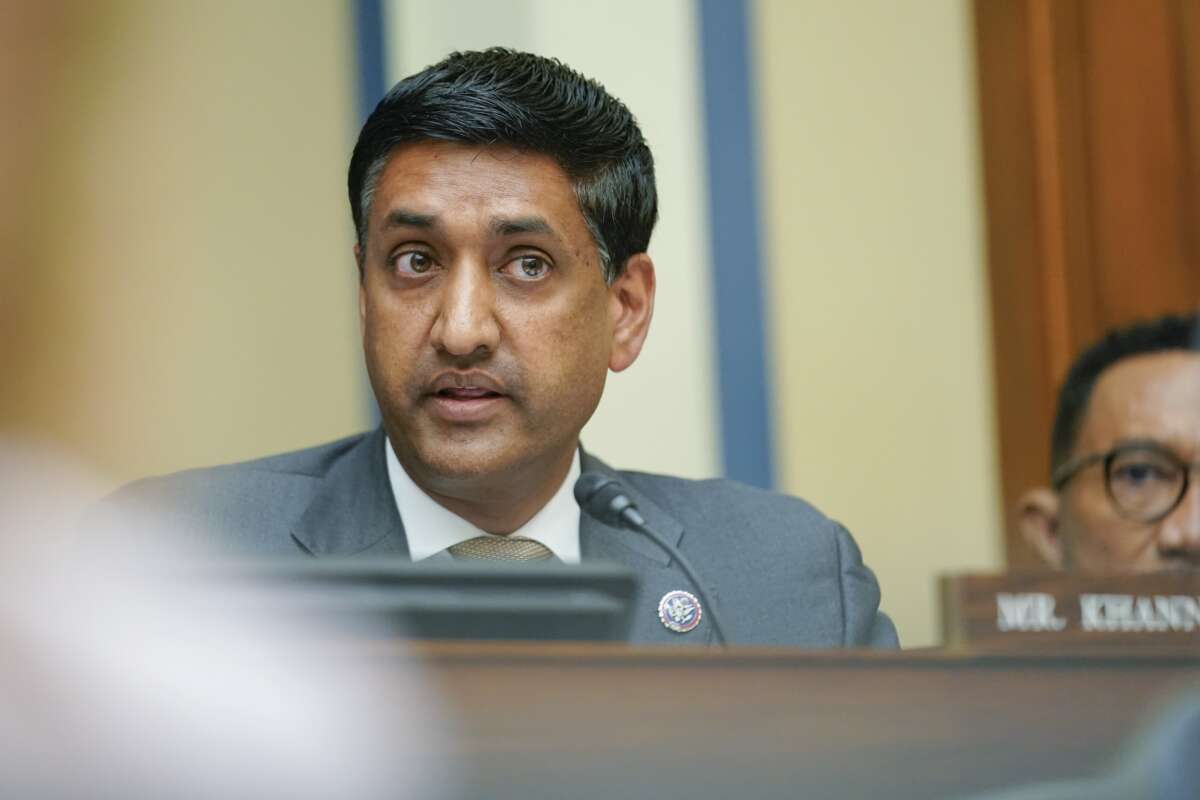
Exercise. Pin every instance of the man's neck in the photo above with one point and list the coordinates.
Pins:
(502, 504)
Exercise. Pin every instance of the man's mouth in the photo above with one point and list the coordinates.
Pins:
(466, 399)
(467, 393)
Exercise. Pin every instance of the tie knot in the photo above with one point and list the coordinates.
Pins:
(501, 548)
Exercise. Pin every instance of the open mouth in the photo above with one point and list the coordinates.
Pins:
(466, 404)
(466, 398)
(467, 393)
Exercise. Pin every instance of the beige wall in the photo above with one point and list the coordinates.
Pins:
(193, 297)
(879, 322)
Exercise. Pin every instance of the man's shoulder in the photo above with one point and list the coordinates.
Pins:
(312, 462)
(260, 498)
(308, 463)
(720, 500)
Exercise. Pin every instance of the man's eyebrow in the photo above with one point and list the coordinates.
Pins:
(401, 218)
(1142, 441)
(506, 226)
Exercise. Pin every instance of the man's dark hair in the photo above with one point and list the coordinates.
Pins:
(1171, 332)
(504, 97)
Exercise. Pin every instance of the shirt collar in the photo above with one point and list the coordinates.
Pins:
(430, 528)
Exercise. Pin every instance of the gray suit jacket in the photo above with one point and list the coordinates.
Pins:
(782, 573)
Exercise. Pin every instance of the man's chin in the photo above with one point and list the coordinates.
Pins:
(461, 470)
(443, 463)
(459, 460)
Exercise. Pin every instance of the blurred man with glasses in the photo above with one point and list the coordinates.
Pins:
(1125, 456)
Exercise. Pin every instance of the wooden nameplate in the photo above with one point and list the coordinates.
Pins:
(1067, 612)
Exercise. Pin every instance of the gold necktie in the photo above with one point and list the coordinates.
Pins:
(501, 548)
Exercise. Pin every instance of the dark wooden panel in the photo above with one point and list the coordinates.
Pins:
(1058, 70)
(1187, 24)
(1021, 358)
(1141, 181)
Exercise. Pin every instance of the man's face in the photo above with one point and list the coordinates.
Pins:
(487, 326)
(1154, 398)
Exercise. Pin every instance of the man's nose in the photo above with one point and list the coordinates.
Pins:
(466, 324)
(1180, 532)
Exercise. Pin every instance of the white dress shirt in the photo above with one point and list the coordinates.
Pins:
(430, 528)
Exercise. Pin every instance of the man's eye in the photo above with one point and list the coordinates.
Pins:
(528, 268)
(412, 262)
(1138, 474)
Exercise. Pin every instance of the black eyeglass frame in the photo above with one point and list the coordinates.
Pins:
(1064, 474)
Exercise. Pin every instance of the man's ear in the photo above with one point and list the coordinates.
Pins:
(362, 294)
(630, 307)
(1038, 518)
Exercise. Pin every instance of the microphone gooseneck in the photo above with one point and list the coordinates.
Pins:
(603, 497)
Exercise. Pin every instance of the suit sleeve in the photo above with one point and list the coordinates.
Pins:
(864, 625)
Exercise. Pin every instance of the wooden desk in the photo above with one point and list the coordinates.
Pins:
(592, 721)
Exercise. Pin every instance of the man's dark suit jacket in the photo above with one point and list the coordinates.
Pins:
(782, 573)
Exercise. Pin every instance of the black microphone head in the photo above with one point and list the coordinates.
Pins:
(588, 484)
(604, 498)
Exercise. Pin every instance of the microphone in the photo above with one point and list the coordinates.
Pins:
(604, 498)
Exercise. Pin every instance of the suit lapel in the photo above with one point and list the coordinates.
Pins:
(354, 511)
(657, 573)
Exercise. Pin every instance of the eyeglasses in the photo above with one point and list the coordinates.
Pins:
(1144, 481)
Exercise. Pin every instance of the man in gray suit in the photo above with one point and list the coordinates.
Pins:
(503, 206)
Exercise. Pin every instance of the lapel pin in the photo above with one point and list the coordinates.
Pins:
(679, 611)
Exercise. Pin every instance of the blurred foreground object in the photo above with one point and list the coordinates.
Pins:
(31, 39)
(1162, 763)
(120, 681)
